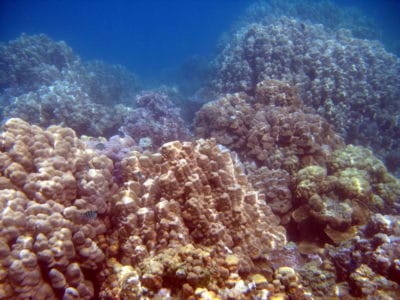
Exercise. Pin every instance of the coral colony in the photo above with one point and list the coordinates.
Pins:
(277, 190)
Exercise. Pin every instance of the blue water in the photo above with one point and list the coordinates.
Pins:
(148, 37)
(145, 36)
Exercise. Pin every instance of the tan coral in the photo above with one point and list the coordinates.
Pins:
(195, 197)
(49, 181)
(272, 130)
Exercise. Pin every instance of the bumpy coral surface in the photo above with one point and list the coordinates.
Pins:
(190, 194)
(65, 102)
(183, 223)
(324, 12)
(45, 83)
(272, 130)
(31, 61)
(154, 121)
(352, 186)
(52, 189)
(353, 83)
(366, 266)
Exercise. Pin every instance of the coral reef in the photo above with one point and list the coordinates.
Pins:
(353, 83)
(108, 84)
(190, 194)
(343, 194)
(270, 130)
(32, 61)
(179, 223)
(154, 121)
(45, 83)
(49, 242)
(67, 104)
(366, 266)
(324, 12)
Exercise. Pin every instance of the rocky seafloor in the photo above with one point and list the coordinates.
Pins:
(282, 186)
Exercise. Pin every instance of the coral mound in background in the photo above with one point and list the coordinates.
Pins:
(353, 83)
(45, 83)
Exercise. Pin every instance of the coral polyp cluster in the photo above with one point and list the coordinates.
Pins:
(49, 182)
(184, 222)
(190, 194)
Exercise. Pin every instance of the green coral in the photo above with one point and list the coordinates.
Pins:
(363, 176)
(353, 185)
(309, 181)
(357, 157)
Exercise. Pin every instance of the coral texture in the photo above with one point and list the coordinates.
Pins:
(353, 185)
(270, 130)
(353, 83)
(67, 104)
(325, 12)
(50, 189)
(45, 83)
(190, 194)
(31, 61)
(184, 223)
(154, 121)
(369, 263)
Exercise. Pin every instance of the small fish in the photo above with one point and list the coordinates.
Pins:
(90, 214)
(100, 146)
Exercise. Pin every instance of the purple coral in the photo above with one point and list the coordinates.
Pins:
(155, 121)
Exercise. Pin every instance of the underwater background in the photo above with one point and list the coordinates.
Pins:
(199, 149)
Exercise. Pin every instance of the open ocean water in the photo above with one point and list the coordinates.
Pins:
(199, 149)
